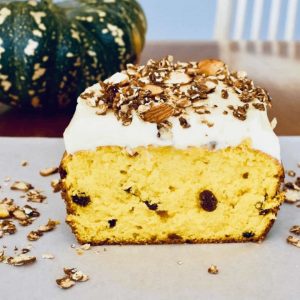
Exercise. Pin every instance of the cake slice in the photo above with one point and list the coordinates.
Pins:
(172, 153)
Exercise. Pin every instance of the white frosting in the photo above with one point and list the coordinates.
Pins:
(88, 130)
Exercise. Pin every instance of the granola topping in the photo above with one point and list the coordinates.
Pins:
(164, 88)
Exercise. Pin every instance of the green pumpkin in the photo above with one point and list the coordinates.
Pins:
(49, 53)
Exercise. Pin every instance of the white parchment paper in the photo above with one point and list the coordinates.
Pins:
(270, 270)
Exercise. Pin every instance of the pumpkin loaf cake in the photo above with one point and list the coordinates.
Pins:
(172, 153)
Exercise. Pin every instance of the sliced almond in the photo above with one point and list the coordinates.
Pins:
(158, 113)
(49, 226)
(48, 171)
(154, 89)
(176, 77)
(210, 66)
(295, 229)
(21, 186)
(34, 235)
(118, 78)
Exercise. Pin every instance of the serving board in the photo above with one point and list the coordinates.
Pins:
(270, 270)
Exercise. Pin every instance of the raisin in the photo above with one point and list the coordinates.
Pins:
(248, 234)
(174, 236)
(81, 199)
(246, 175)
(208, 201)
(151, 206)
(112, 223)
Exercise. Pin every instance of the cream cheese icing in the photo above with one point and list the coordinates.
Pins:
(87, 130)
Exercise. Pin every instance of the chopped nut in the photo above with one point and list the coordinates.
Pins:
(213, 270)
(21, 259)
(49, 226)
(65, 282)
(293, 241)
(20, 214)
(295, 229)
(21, 186)
(154, 89)
(7, 227)
(178, 78)
(210, 66)
(24, 163)
(35, 196)
(158, 113)
(48, 171)
(76, 275)
(292, 196)
(34, 235)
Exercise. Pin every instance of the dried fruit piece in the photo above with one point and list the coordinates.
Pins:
(213, 269)
(21, 259)
(158, 113)
(208, 201)
(81, 199)
(21, 186)
(151, 206)
(48, 171)
(293, 241)
(112, 223)
(210, 67)
(65, 282)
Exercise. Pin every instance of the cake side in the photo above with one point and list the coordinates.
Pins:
(152, 195)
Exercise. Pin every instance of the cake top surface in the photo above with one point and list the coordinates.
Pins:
(167, 103)
(162, 89)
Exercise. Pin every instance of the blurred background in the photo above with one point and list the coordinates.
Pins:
(198, 19)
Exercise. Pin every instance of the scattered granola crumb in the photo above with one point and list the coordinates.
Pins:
(48, 256)
(291, 173)
(292, 196)
(24, 163)
(293, 241)
(35, 196)
(295, 229)
(76, 274)
(179, 262)
(49, 171)
(85, 247)
(21, 186)
(36, 234)
(65, 282)
(21, 259)
(72, 275)
(213, 269)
